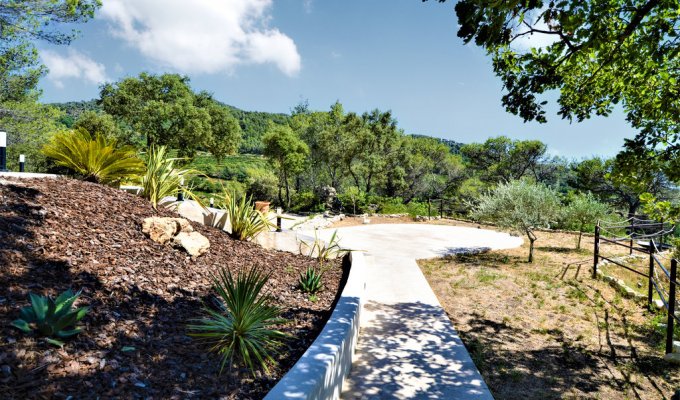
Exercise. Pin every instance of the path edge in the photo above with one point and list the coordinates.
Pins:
(322, 369)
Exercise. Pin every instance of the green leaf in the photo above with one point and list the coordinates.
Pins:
(54, 342)
(21, 324)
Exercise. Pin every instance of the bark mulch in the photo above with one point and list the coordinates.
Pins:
(60, 234)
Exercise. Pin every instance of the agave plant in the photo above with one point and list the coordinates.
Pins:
(51, 318)
(242, 329)
(311, 280)
(94, 158)
(162, 178)
(246, 222)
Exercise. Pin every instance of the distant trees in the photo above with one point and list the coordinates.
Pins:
(287, 153)
(502, 159)
(521, 206)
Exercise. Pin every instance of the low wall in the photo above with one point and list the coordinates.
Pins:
(320, 372)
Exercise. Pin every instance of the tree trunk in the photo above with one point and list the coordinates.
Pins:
(580, 234)
(532, 239)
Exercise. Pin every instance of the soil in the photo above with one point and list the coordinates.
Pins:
(547, 330)
(61, 234)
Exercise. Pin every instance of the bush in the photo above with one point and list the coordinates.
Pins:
(95, 159)
(262, 184)
(353, 199)
(242, 328)
(51, 318)
(305, 201)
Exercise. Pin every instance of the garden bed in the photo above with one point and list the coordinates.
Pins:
(60, 234)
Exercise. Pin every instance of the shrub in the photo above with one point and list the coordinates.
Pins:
(304, 201)
(521, 206)
(583, 211)
(246, 222)
(242, 329)
(311, 280)
(162, 179)
(262, 184)
(51, 318)
(94, 158)
(322, 250)
(353, 199)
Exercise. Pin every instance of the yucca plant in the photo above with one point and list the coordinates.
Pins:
(51, 317)
(94, 158)
(246, 222)
(311, 280)
(162, 178)
(242, 329)
(322, 250)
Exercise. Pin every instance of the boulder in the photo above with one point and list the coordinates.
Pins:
(193, 242)
(163, 229)
(673, 358)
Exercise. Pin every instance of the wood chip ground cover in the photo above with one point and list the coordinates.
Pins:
(536, 331)
(60, 234)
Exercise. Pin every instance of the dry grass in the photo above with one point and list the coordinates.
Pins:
(542, 330)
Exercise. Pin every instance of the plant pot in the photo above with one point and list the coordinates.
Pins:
(262, 206)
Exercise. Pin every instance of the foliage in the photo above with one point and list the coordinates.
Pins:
(261, 184)
(502, 159)
(24, 22)
(246, 222)
(352, 196)
(225, 130)
(242, 328)
(311, 281)
(287, 153)
(162, 178)
(94, 158)
(51, 317)
(322, 250)
(584, 210)
(600, 55)
(29, 126)
(521, 206)
(99, 123)
(254, 125)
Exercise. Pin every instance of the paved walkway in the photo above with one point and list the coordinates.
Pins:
(407, 347)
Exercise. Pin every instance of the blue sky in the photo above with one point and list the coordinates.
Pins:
(260, 55)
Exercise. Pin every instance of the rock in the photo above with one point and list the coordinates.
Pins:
(673, 358)
(193, 242)
(676, 346)
(658, 304)
(163, 229)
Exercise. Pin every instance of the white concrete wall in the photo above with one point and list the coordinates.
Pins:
(320, 372)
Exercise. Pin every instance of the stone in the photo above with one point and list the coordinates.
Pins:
(673, 358)
(658, 304)
(193, 242)
(163, 229)
(676, 346)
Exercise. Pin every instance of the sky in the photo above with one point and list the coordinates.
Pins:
(261, 55)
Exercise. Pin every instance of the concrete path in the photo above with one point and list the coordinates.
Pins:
(407, 347)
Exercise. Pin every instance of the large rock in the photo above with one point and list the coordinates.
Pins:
(193, 242)
(163, 229)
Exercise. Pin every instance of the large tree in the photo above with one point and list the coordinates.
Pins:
(288, 153)
(24, 22)
(502, 159)
(600, 54)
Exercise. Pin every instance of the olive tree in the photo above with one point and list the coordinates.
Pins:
(584, 209)
(520, 206)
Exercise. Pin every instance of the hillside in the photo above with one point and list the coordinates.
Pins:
(57, 234)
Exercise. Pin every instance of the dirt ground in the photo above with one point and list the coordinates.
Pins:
(548, 330)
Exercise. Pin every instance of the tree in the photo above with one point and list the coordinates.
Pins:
(287, 153)
(601, 54)
(521, 206)
(160, 108)
(584, 210)
(502, 159)
(225, 132)
(24, 22)
(29, 126)
(101, 124)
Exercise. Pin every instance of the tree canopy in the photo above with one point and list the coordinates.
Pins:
(599, 55)
(22, 23)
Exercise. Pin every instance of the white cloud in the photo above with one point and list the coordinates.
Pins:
(73, 65)
(202, 36)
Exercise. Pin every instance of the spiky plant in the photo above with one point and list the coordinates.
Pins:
(322, 250)
(242, 329)
(51, 317)
(311, 280)
(162, 178)
(246, 222)
(94, 158)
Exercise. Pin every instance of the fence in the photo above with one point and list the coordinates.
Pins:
(640, 236)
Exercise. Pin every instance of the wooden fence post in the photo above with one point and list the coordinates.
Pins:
(596, 250)
(632, 233)
(429, 207)
(650, 284)
(671, 307)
